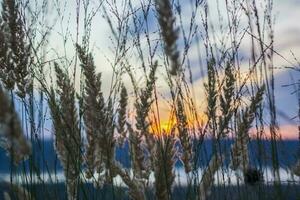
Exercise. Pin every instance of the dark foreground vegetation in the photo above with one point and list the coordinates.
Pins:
(290, 191)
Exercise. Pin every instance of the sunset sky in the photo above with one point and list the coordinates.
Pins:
(287, 45)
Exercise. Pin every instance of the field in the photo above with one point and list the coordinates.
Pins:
(149, 99)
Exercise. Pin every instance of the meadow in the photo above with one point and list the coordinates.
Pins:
(148, 99)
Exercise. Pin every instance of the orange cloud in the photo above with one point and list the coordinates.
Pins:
(285, 132)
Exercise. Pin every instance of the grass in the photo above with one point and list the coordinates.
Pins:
(89, 124)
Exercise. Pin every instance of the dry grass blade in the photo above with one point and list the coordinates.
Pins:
(240, 157)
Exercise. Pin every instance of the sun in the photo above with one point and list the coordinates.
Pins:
(168, 126)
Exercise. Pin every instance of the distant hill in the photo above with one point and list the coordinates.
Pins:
(45, 158)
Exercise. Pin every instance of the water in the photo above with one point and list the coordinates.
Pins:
(222, 177)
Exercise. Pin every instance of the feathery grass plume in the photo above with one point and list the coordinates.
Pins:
(212, 94)
(142, 106)
(95, 117)
(6, 66)
(107, 142)
(19, 50)
(226, 99)
(144, 102)
(169, 34)
(208, 176)
(14, 141)
(136, 153)
(240, 157)
(16, 192)
(183, 134)
(94, 111)
(67, 133)
(98, 119)
(164, 165)
(135, 186)
(122, 114)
